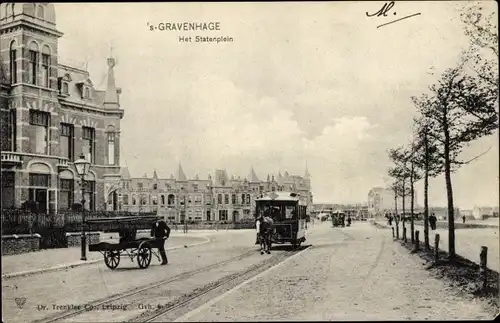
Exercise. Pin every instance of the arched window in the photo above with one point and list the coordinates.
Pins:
(39, 12)
(242, 198)
(13, 62)
(154, 199)
(162, 199)
(111, 148)
(171, 199)
(33, 63)
(248, 199)
(219, 198)
(46, 66)
(133, 200)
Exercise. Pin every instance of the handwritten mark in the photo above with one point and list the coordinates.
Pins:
(385, 10)
(20, 301)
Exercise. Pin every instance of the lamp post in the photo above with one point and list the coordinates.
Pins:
(82, 168)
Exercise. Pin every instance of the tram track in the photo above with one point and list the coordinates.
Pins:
(121, 296)
(175, 309)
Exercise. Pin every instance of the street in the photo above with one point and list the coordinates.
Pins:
(351, 273)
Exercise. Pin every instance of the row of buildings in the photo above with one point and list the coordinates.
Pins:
(218, 198)
(51, 112)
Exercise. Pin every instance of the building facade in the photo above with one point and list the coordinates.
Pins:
(381, 200)
(220, 198)
(50, 114)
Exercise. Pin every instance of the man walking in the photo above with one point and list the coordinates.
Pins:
(161, 232)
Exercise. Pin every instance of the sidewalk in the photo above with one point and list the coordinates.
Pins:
(468, 242)
(56, 259)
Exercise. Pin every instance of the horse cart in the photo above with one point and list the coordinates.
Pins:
(142, 249)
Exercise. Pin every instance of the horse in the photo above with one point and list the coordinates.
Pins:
(265, 235)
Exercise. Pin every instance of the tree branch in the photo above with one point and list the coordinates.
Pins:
(475, 158)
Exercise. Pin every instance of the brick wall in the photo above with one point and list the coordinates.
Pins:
(74, 239)
(16, 244)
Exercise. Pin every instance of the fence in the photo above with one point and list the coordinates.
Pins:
(20, 221)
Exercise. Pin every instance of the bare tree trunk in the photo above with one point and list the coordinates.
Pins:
(412, 192)
(404, 195)
(449, 190)
(396, 220)
(426, 195)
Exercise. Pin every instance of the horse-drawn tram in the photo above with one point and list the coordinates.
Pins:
(142, 249)
(289, 216)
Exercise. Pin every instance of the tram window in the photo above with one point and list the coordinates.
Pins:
(289, 212)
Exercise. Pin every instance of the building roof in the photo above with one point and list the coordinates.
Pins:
(181, 176)
(252, 177)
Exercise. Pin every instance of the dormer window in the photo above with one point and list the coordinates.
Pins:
(63, 84)
(85, 89)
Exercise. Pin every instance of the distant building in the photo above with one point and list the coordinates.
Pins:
(51, 113)
(213, 199)
(481, 213)
(381, 200)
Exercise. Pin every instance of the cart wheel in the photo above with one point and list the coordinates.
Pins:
(112, 258)
(144, 256)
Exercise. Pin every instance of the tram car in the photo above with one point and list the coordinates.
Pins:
(289, 216)
(338, 219)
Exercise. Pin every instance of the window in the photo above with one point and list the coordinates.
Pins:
(89, 195)
(155, 186)
(242, 198)
(163, 200)
(233, 199)
(195, 187)
(40, 121)
(154, 199)
(13, 64)
(189, 199)
(13, 130)
(33, 66)
(66, 194)
(139, 185)
(171, 199)
(134, 201)
(144, 199)
(8, 193)
(197, 199)
(86, 92)
(125, 199)
(219, 198)
(111, 148)
(65, 88)
(226, 198)
(208, 215)
(45, 70)
(222, 215)
(67, 141)
(88, 143)
(39, 12)
(248, 199)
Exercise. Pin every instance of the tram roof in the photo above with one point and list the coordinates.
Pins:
(280, 196)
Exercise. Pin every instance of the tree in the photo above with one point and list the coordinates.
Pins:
(426, 159)
(482, 30)
(460, 110)
(400, 173)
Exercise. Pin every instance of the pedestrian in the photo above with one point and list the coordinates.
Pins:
(161, 231)
(432, 221)
(258, 221)
(463, 218)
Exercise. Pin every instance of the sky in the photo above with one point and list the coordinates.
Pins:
(314, 84)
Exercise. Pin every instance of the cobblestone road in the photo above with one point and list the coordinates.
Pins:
(364, 277)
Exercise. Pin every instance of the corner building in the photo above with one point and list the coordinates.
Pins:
(213, 199)
(50, 114)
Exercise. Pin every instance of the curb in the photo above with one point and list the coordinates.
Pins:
(78, 264)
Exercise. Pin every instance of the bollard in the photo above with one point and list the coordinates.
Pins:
(436, 247)
(397, 231)
(393, 232)
(417, 240)
(404, 234)
(483, 270)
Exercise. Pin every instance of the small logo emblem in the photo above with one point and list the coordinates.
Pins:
(20, 301)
